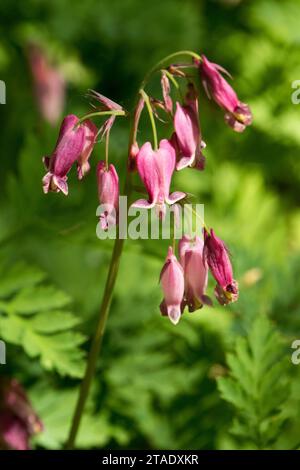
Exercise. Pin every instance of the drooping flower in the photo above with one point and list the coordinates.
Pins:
(238, 114)
(49, 85)
(156, 168)
(75, 143)
(172, 283)
(216, 255)
(68, 149)
(188, 132)
(195, 272)
(90, 136)
(18, 421)
(108, 192)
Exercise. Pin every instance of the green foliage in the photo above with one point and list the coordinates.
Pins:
(34, 316)
(56, 406)
(257, 386)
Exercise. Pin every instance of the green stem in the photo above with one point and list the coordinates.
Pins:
(101, 113)
(169, 58)
(100, 328)
(106, 149)
(170, 77)
(148, 104)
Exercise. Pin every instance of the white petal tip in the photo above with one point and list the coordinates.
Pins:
(174, 315)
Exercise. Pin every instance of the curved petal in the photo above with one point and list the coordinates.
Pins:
(175, 197)
(184, 162)
(187, 130)
(165, 158)
(143, 204)
(147, 168)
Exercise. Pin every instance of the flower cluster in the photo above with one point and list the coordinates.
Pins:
(183, 282)
(18, 421)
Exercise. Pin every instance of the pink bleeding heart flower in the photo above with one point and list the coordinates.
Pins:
(90, 136)
(108, 191)
(156, 168)
(68, 149)
(216, 255)
(195, 272)
(172, 283)
(49, 85)
(18, 420)
(238, 114)
(188, 132)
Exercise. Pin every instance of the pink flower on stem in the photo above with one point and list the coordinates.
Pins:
(238, 114)
(18, 421)
(216, 255)
(195, 272)
(108, 191)
(75, 143)
(156, 168)
(68, 149)
(188, 132)
(172, 283)
(90, 136)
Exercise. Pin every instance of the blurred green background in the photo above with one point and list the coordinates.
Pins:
(223, 378)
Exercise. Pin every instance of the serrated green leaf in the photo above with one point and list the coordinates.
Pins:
(257, 386)
(19, 276)
(30, 319)
(53, 321)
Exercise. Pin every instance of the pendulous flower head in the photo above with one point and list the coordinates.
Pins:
(195, 272)
(188, 132)
(156, 168)
(75, 143)
(238, 114)
(68, 149)
(108, 192)
(18, 421)
(172, 283)
(216, 256)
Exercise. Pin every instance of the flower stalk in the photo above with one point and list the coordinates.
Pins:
(155, 168)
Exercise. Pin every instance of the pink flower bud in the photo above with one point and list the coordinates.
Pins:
(165, 85)
(18, 421)
(105, 104)
(216, 255)
(195, 272)
(133, 153)
(156, 169)
(108, 191)
(90, 136)
(238, 114)
(172, 283)
(68, 149)
(188, 133)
